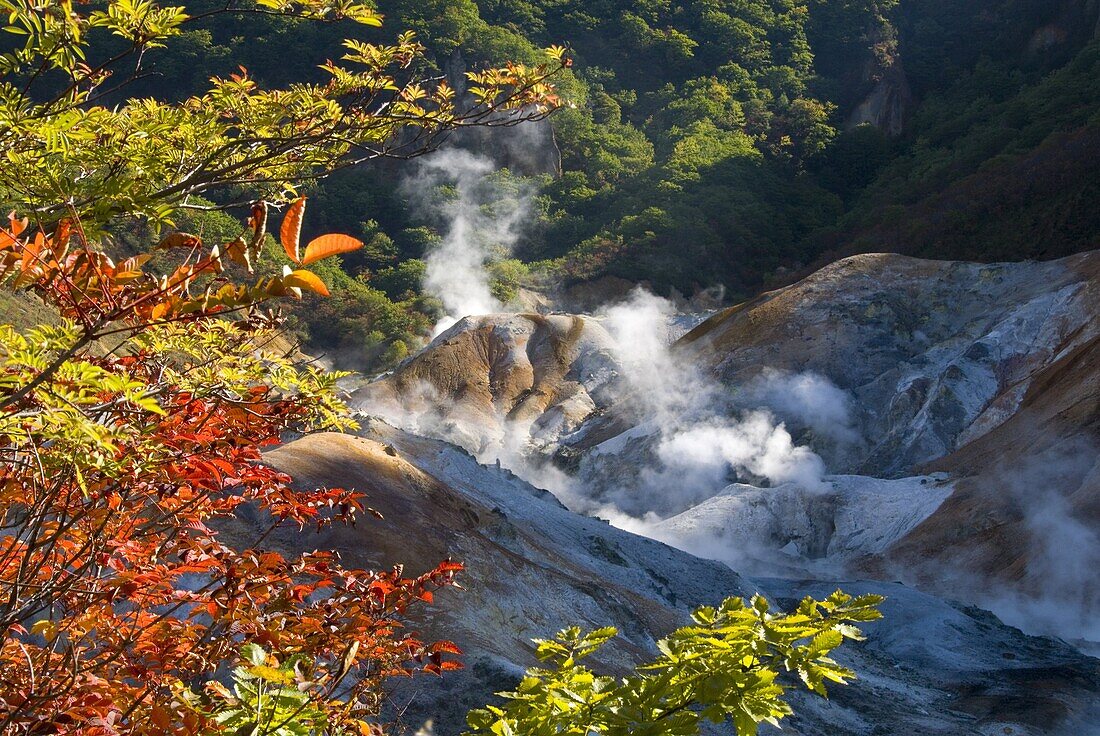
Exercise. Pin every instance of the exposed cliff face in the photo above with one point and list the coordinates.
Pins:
(989, 374)
(491, 381)
(1025, 515)
(1074, 23)
(888, 105)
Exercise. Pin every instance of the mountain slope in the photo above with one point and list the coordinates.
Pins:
(1026, 510)
(989, 374)
(534, 567)
(934, 353)
(950, 408)
(930, 667)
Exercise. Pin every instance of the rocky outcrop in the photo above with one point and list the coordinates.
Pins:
(852, 517)
(989, 374)
(1072, 23)
(935, 353)
(496, 379)
(888, 105)
(1026, 511)
(961, 445)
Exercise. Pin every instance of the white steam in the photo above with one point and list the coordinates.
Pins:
(1061, 549)
(1065, 557)
(807, 400)
(481, 222)
(704, 453)
(694, 440)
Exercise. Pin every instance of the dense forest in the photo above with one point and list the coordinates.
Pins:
(713, 143)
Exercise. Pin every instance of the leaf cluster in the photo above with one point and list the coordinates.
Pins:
(129, 432)
(65, 151)
(725, 667)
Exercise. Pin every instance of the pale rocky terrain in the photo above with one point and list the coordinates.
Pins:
(951, 411)
(483, 375)
(934, 353)
(989, 373)
(853, 517)
(930, 667)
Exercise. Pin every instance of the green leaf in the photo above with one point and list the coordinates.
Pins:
(254, 653)
(727, 668)
(824, 643)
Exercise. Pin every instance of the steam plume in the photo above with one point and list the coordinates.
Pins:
(482, 222)
(1060, 547)
(702, 441)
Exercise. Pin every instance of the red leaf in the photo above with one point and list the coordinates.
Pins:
(159, 717)
(448, 647)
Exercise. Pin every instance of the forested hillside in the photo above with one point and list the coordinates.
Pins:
(715, 142)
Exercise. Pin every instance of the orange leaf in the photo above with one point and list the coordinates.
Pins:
(160, 718)
(159, 310)
(329, 245)
(291, 230)
(17, 225)
(180, 240)
(31, 251)
(305, 280)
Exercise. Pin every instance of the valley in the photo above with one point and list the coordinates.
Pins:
(886, 419)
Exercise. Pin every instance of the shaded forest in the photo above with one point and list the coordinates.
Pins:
(710, 143)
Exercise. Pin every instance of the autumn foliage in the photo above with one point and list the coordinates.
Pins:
(136, 593)
(131, 432)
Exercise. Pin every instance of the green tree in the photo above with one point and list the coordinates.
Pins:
(726, 667)
(66, 153)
